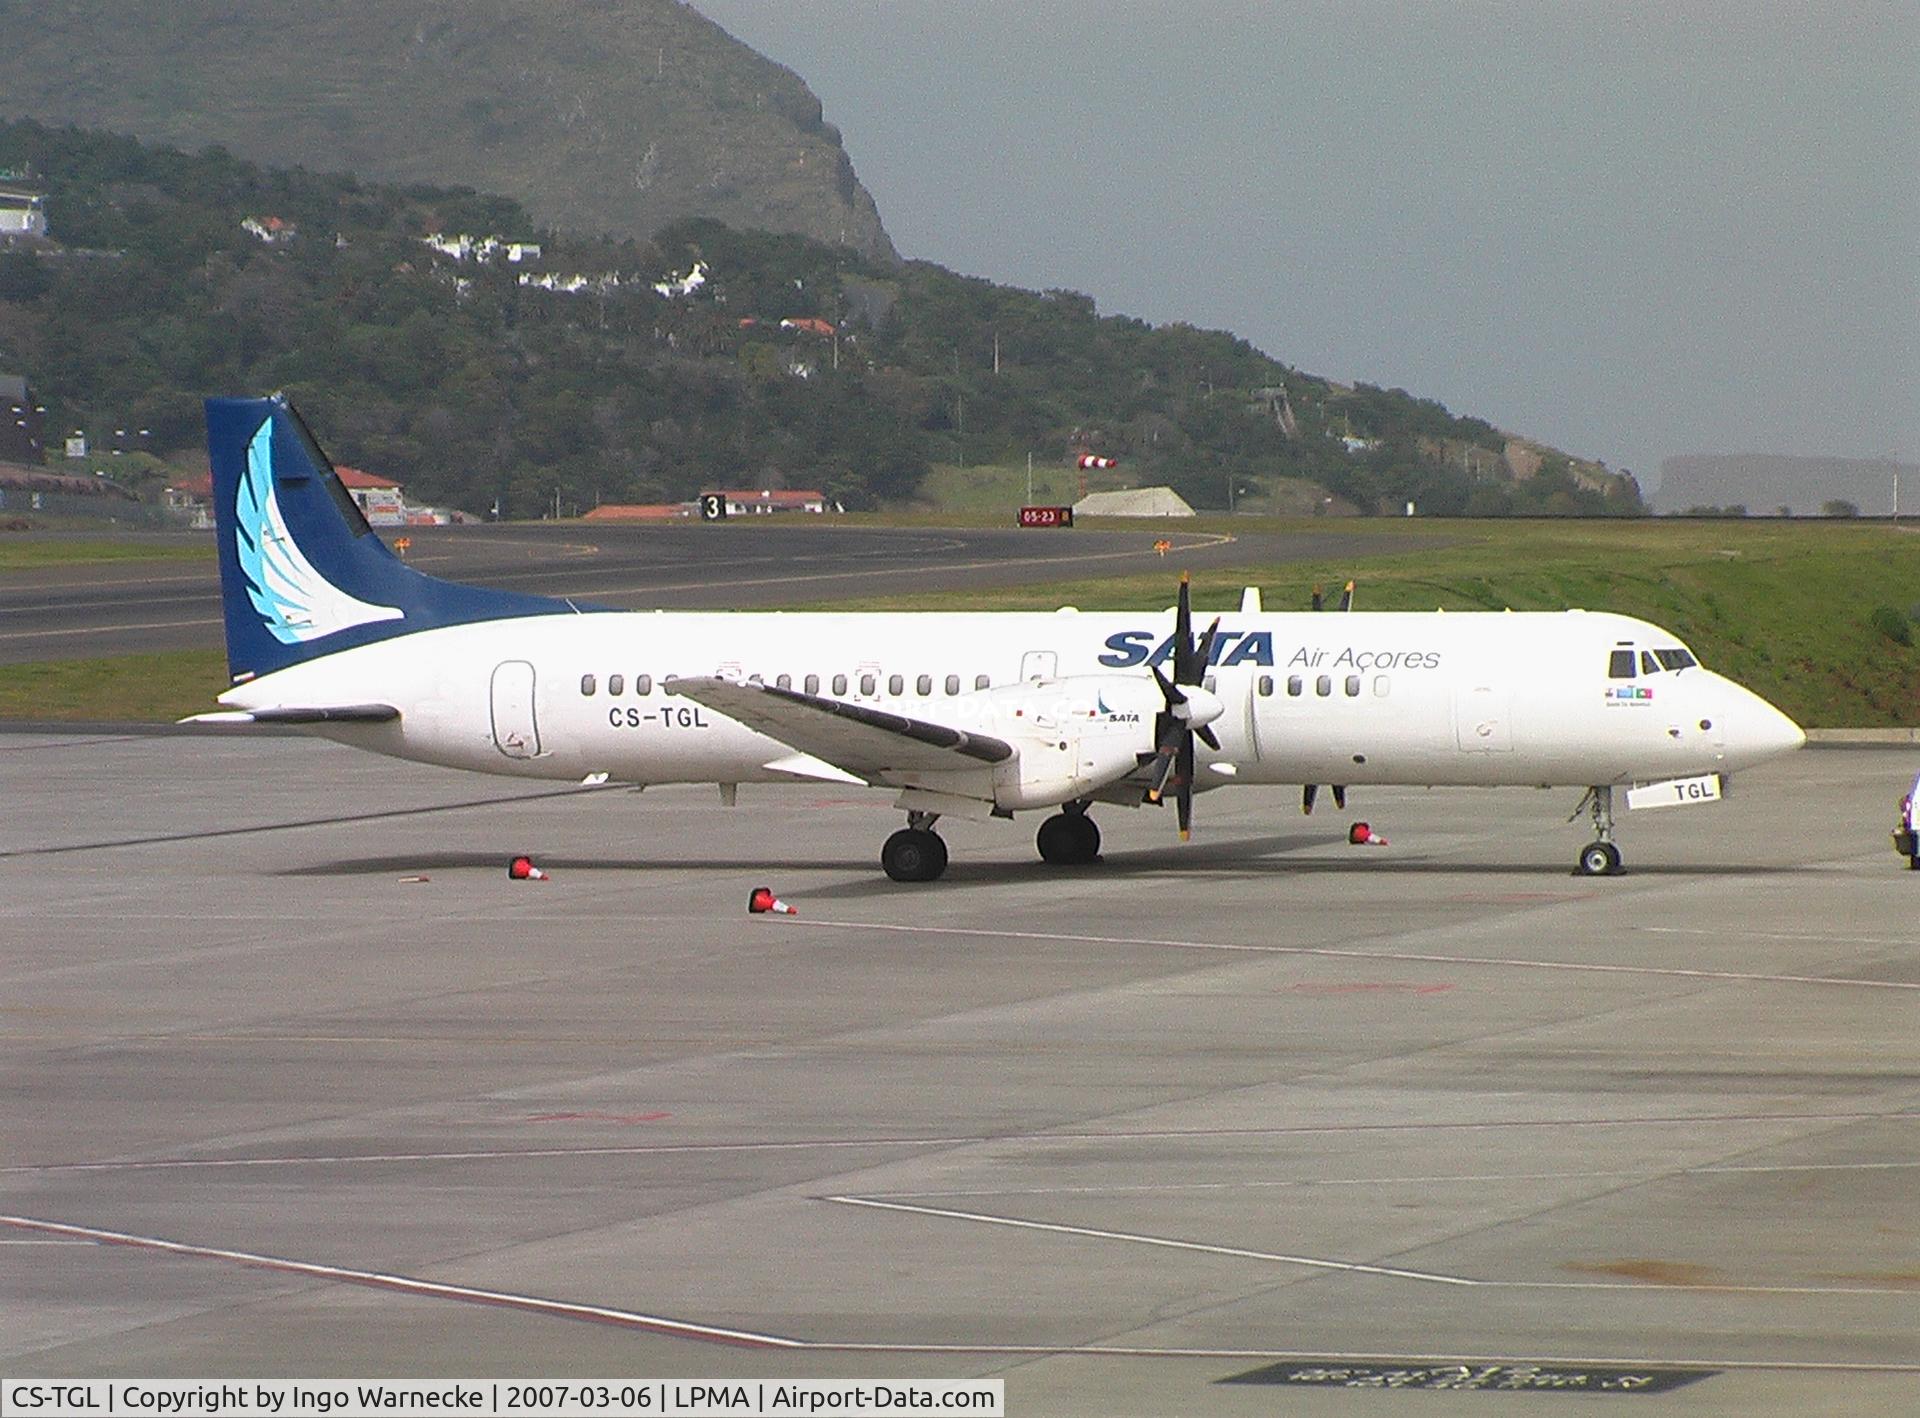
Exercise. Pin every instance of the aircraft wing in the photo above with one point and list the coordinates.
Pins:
(302, 714)
(870, 743)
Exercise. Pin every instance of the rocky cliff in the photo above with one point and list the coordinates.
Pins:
(600, 116)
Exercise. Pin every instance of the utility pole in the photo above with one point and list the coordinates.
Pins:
(1896, 484)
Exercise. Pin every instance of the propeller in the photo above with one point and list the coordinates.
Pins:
(1190, 709)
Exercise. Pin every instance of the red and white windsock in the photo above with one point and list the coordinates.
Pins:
(523, 869)
(761, 900)
(1094, 460)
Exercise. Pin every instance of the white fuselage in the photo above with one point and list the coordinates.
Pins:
(1362, 698)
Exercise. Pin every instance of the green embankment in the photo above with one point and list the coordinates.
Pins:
(22, 553)
(156, 688)
(1785, 607)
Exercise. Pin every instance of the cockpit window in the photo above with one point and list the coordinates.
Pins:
(1676, 659)
(1648, 665)
(1620, 665)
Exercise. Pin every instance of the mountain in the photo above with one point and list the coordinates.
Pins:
(1765, 482)
(599, 116)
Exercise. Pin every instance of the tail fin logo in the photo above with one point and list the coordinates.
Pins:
(294, 600)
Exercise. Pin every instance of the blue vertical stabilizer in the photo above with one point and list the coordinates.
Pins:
(301, 573)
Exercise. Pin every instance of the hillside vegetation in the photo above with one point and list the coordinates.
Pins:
(600, 116)
(476, 389)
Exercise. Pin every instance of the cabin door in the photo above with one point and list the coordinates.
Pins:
(1039, 664)
(516, 732)
(1483, 718)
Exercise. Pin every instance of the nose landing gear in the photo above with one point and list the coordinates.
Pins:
(1599, 857)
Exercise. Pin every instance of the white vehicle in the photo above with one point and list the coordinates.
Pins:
(1906, 829)
(957, 713)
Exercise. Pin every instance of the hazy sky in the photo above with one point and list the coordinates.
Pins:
(1629, 229)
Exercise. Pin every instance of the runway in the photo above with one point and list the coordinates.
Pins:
(121, 608)
(1249, 1109)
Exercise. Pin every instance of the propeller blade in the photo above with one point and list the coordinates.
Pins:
(1340, 797)
(1206, 737)
(1307, 795)
(1319, 602)
(1203, 654)
(1162, 769)
(1170, 692)
(1183, 634)
(1346, 598)
(1183, 789)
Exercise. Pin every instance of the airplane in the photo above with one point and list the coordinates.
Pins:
(965, 714)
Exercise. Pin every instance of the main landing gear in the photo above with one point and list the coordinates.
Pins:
(1069, 838)
(1599, 857)
(916, 852)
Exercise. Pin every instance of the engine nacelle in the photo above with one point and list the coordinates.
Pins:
(1072, 735)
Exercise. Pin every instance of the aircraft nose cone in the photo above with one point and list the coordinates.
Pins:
(1756, 731)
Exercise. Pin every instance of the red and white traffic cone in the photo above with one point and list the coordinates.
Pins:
(523, 869)
(762, 900)
(1361, 835)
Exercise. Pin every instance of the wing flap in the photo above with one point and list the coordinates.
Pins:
(857, 738)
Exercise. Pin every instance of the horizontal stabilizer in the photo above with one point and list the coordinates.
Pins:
(302, 714)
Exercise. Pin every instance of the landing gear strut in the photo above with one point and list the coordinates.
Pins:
(1069, 838)
(916, 852)
(1599, 857)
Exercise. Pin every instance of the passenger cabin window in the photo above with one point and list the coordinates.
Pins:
(839, 684)
(923, 686)
(783, 682)
(981, 681)
(616, 684)
(811, 684)
(1265, 684)
(1620, 665)
(1353, 686)
(1295, 686)
(953, 684)
(868, 684)
(586, 684)
(643, 684)
(1323, 686)
(896, 685)
(1381, 685)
